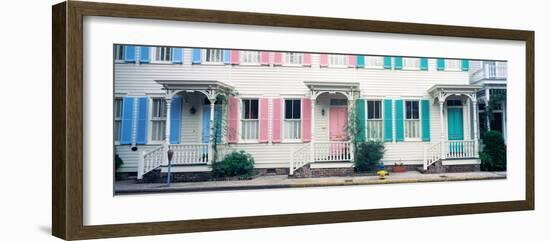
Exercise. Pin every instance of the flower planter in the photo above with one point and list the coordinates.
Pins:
(399, 169)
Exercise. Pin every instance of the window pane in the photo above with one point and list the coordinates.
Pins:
(370, 109)
(254, 109)
(416, 112)
(296, 109)
(118, 108)
(288, 109)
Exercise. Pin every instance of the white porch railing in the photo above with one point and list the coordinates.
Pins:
(299, 157)
(491, 71)
(328, 151)
(151, 160)
(332, 151)
(450, 150)
(191, 153)
(184, 154)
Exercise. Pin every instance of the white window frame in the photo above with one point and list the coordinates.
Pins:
(290, 57)
(154, 52)
(119, 118)
(121, 49)
(242, 119)
(374, 62)
(204, 54)
(338, 60)
(299, 137)
(411, 63)
(153, 119)
(380, 119)
(453, 65)
(250, 57)
(419, 120)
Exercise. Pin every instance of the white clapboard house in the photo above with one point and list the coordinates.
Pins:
(289, 109)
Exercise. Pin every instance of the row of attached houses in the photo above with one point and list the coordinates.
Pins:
(290, 109)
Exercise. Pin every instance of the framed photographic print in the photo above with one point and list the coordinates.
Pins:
(171, 120)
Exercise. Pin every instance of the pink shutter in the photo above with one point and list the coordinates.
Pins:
(306, 119)
(352, 61)
(307, 59)
(235, 56)
(324, 60)
(233, 120)
(278, 58)
(263, 119)
(264, 58)
(277, 120)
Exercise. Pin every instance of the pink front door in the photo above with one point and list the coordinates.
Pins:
(338, 123)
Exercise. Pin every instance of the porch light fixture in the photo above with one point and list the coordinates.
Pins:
(193, 110)
(323, 112)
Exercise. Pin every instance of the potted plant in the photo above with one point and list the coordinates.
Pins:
(399, 167)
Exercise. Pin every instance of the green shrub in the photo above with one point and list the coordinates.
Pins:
(236, 163)
(118, 162)
(493, 156)
(368, 156)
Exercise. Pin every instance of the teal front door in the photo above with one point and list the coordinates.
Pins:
(455, 124)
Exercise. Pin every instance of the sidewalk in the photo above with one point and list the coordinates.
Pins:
(282, 181)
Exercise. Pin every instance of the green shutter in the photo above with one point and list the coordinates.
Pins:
(398, 62)
(440, 64)
(423, 63)
(425, 110)
(465, 65)
(360, 110)
(399, 121)
(387, 62)
(388, 128)
(360, 61)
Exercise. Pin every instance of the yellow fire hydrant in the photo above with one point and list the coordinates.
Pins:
(382, 174)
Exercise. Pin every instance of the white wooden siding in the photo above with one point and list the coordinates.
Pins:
(285, 81)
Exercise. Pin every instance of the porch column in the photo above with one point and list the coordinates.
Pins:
(476, 138)
(312, 142)
(442, 135)
(211, 131)
(167, 128)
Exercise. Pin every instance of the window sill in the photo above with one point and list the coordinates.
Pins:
(249, 142)
(339, 66)
(293, 65)
(154, 143)
(411, 69)
(160, 62)
(294, 141)
(413, 140)
(250, 64)
(373, 67)
(211, 63)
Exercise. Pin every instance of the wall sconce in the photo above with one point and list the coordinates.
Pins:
(193, 110)
(323, 112)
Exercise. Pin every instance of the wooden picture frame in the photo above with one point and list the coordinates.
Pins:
(67, 123)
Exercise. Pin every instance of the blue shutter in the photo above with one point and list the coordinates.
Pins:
(387, 62)
(361, 121)
(423, 63)
(175, 119)
(360, 61)
(206, 124)
(398, 62)
(388, 127)
(440, 64)
(218, 125)
(177, 55)
(196, 56)
(144, 55)
(425, 109)
(226, 56)
(127, 120)
(399, 121)
(141, 128)
(465, 65)
(129, 54)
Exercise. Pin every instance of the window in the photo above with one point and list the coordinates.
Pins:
(249, 119)
(158, 119)
(213, 55)
(294, 58)
(374, 120)
(118, 118)
(412, 119)
(337, 60)
(374, 62)
(453, 64)
(250, 57)
(119, 53)
(338, 102)
(292, 119)
(411, 63)
(162, 54)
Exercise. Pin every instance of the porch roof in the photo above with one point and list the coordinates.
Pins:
(441, 92)
(332, 86)
(195, 85)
